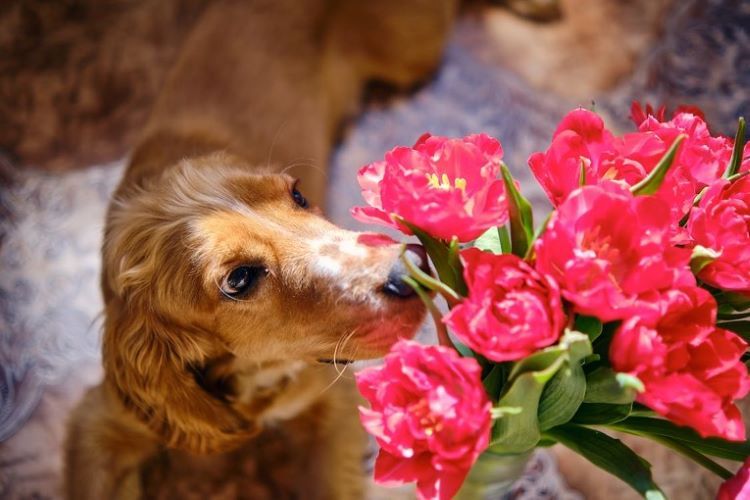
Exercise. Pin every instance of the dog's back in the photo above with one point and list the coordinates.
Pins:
(271, 81)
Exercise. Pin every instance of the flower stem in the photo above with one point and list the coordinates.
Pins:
(427, 281)
(437, 317)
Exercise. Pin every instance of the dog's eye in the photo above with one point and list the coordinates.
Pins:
(241, 280)
(298, 198)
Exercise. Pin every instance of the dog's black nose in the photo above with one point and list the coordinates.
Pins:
(395, 285)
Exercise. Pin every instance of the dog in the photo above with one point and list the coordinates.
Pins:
(227, 294)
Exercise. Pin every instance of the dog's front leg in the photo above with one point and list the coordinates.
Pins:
(104, 451)
(338, 458)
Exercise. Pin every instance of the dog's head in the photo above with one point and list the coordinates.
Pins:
(210, 261)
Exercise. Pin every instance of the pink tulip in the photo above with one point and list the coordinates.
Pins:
(610, 253)
(721, 222)
(691, 370)
(430, 415)
(511, 310)
(446, 187)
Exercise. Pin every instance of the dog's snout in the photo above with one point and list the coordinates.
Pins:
(395, 284)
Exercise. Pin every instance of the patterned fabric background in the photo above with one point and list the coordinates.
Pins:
(50, 231)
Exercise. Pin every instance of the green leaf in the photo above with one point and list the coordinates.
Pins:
(582, 173)
(591, 358)
(574, 345)
(577, 344)
(604, 340)
(520, 432)
(521, 217)
(652, 182)
(736, 301)
(735, 177)
(693, 455)
(495, 380)
(538, 361)
(601, 413)
(589, 325)
(701, 257)
(628, 381)
(527, 381)
(732, 315)
(640, 410)
(464, 350)
(603, 385)
(562, 396)
(490, 241)
(506, 245)
(495, 240)
(504, 411)
(740, 327)
(454, 255)
(716, 447)
(611, 455)
(739, 144)
(546, 442)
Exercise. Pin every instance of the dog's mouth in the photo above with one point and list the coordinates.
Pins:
(337, 361)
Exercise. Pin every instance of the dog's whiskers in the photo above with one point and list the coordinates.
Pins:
(341, 344)
(273, 142)
(309, 163)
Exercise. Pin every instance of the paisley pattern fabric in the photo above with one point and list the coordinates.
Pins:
(50, 226)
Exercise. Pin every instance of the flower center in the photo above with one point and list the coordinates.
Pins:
(444, 182)
(429, 422)
(600, 244)
(597, 246)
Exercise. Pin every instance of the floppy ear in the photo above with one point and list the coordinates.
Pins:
(148, 352)
(149, 364)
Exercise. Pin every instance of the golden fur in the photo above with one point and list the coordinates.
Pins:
(590, 49)
(259, 88)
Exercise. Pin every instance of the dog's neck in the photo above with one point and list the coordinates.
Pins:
(266, 392)
(248, 398)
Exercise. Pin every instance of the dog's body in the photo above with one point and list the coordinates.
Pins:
(222, 289)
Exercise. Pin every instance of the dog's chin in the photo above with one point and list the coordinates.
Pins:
(377, 334)
(375, 345)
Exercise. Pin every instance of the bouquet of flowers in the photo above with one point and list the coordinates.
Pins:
(626, 310)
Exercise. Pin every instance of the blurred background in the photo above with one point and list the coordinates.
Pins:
(77, 79)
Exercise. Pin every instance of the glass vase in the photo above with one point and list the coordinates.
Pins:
(492, 476)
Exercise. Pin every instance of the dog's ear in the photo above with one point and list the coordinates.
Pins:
(152, 336)
(149, 364)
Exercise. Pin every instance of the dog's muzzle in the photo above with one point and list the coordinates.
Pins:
(395, 286)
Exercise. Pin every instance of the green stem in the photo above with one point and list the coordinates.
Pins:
(537, 234)
(504, 236)
(442, 331)
(427, 281)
